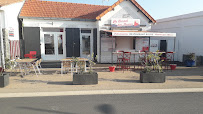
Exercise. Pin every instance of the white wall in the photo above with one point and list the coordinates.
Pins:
(124, 43)
(121, 10)
(189, 29)
(10, 18)
(58, 23)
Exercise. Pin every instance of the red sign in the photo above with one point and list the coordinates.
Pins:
(125, 23)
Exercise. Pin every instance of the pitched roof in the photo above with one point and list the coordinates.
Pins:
(134, 3)
(7, 2)
(50, 9)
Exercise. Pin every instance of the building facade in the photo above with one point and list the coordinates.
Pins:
(189, 29)
(9, 28)
(57, 30)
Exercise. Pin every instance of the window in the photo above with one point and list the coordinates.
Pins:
(85, 31)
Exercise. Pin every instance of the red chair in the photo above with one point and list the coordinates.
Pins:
(126, 60)
(33, 54)
(120, 59)
(144, 49)
(167, 59)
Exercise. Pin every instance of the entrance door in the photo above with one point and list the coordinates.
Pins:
(163, 47)
(52, 46)
(86, 43)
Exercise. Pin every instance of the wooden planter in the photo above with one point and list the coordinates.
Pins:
(85, 78)
(152, 77)
(4, 80)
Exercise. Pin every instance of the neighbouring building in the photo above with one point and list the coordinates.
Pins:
(9, 28)
(189, 29)
(57, 30)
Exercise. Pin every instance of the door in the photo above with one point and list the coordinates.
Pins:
(52, 46)
(86, 45)
(163, 47)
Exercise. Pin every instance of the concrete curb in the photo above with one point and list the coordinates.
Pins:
(99, 92)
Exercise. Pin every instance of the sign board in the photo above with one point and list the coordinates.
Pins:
(143, 34)
(154, 45)
(11, 32)
(122, 22)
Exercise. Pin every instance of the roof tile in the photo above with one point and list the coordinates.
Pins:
(61, 9)
(39, 8)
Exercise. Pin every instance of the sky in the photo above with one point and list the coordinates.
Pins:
(158, 9)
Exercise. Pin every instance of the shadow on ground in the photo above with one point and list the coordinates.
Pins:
(105, 109)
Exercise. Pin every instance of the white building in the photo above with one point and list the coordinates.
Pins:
(189, 29)
(57, 30)
(9, 27)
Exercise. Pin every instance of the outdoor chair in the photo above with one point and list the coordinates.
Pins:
(141, 60)
(35, 66)
(120, 57)
(65, 65)
(167, 59)
(33, 54)
(126, 60)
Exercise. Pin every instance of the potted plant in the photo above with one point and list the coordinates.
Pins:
(191, 60)
(152, 72)
(84, 78)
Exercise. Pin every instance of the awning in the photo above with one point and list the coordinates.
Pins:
(140, 33)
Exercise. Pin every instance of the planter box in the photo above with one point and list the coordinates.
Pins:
(4, 80)
(85, 78)
(152, 77)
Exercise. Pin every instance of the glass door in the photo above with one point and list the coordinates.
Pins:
(86, 45)
(52, 47)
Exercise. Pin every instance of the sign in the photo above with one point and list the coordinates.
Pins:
(143, 34)
(11, 32)
(125, 22)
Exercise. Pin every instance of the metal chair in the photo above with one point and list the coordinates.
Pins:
(126, 60)
(120, 57)
(66, 64)
(33, 54)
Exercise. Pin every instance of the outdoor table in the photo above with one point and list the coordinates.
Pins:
(23, 64)
(72, 66)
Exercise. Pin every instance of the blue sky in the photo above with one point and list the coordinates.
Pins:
(156, 8)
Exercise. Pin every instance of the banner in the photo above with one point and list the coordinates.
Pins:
(125, 23)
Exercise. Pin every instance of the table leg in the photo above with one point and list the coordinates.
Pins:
(85, 67)
(61, 67)
(21, 68)
(71, 68)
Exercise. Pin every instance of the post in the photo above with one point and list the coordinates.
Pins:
(149, 44)
(112, 51)
(174, 48)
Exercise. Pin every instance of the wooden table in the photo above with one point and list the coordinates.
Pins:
(23, 64)
(72, 66)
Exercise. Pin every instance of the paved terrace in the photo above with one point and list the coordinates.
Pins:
(52, 81)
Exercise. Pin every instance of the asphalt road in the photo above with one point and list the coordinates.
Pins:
(167, 103)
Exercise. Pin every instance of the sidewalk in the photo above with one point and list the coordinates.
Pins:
(53, 81)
